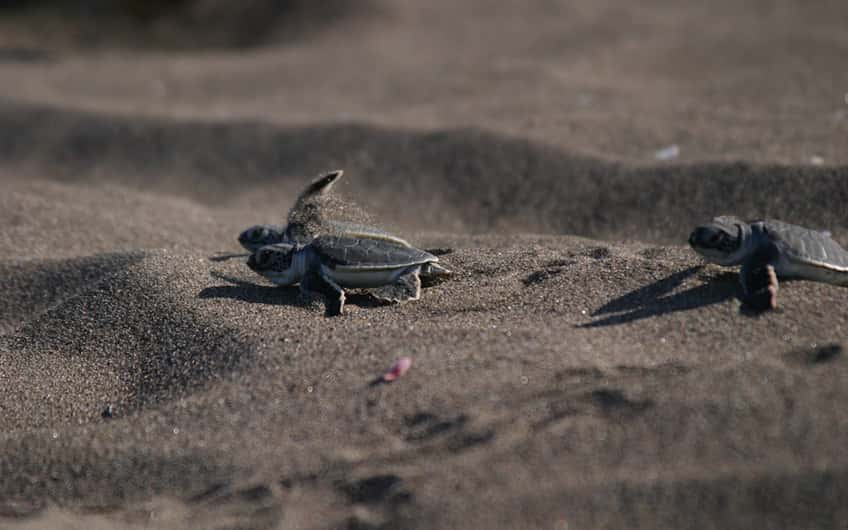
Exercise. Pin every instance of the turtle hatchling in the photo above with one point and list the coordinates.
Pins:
(330, 263)
(306, 221)
(768, 249)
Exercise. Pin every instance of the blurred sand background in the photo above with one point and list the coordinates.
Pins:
(583, 369)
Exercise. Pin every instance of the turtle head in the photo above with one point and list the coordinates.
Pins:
(258, 236)
(722, 240)
(277, 263)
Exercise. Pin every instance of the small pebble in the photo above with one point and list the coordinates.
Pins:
(397, 370)
(668, 153)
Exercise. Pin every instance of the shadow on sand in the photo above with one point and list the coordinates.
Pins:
(658, 298)
(228, 256)
(273, 295)
(15, 54)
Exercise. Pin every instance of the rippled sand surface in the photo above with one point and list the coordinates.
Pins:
(583, 368)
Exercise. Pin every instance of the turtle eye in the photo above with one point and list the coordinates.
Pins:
(714, 239)
(264, 256)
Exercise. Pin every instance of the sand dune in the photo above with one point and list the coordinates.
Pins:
(582, 369)
(467, 179)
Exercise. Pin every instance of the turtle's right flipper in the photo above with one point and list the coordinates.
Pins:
(759, 280)
(433, 273)
(334, 296)
(406, 287)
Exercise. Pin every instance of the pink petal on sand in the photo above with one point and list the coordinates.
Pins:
(398, 369)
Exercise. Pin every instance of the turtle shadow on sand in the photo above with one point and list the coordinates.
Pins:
(245, 291)
(224, 256)
(658, 298)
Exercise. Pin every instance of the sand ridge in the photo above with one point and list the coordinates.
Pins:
(583, 368)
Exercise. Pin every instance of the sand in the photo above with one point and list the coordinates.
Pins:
(582, 369)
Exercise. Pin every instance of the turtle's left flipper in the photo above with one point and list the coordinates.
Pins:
(759, 280)
(334, 296)
(406, 287)
(305, 218)
(320, 185)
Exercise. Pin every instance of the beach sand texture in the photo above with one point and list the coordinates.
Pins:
(583, 368)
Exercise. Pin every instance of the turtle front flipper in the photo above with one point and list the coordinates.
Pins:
(334, 296)
(759, 279)
(406, 287)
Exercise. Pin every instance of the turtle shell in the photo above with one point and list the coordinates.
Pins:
(357, 230)
(807, 246)
(352, 253)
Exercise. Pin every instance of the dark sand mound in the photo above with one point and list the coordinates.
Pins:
(33, 26)
(583, 369)
(468, 179)
(36, 286)
(119, 323)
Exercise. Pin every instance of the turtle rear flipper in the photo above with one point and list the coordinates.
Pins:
(432, 273)
(406, 287)
(434, 269)
(759, 279)
(334, 296)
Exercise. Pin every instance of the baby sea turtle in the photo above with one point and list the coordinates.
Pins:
(331, 263)
(768, 249)
(306, 220)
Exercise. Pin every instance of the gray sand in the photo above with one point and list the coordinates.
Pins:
(583, 369)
